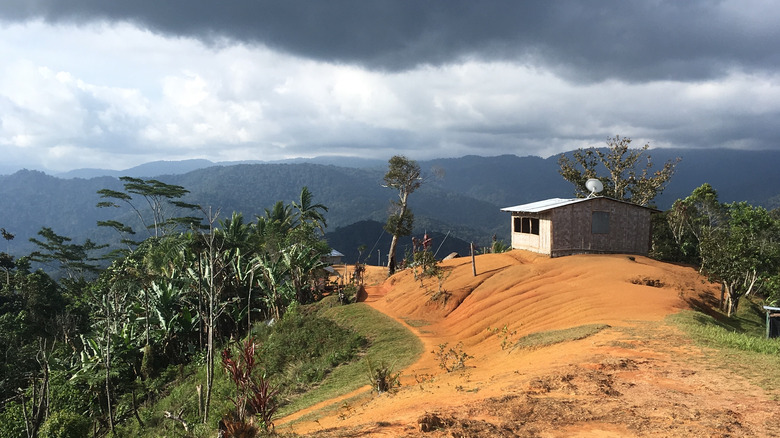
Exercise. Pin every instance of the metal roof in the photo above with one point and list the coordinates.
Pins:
(550, 204)
(540, 206)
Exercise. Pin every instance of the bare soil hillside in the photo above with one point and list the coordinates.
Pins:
(627, 374)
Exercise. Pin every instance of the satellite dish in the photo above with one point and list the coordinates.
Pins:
(594, 185)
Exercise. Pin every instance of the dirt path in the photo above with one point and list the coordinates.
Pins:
(637, 377)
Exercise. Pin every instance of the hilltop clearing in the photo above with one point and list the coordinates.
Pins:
(572, 346)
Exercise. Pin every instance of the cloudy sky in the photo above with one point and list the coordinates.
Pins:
(113, 84)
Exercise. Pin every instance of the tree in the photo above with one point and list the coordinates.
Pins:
(622, 180)
(6, 259)
(693, 219)
(157, 195)
(403, 175)
(214, 270)
(74, 259)
(742, 252)
(309, 213)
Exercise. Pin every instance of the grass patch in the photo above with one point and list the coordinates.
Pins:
(744, 332)
(416, 322)
(738, 344)
(389, 342)
(552, 337)
(709, 332)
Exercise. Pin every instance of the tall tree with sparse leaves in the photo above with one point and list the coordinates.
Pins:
(630, 175)
(159, 196)
(405, 176)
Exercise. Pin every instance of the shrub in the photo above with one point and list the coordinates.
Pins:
(452, 358)
(254, 393)
(381, 377)
(348, 294)
(318, 342)
(65, 424)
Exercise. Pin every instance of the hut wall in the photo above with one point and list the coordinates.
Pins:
(628, 229)
(541, 242)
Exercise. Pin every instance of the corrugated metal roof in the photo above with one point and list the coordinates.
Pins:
(540, 206)
(549, 204)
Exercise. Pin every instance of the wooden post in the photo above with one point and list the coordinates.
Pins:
(473, 263)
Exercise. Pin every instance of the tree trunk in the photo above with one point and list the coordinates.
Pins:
(135, 409)
(393, 243)
(209, 356)
(108, 383)
(733, 300)
(391, 256)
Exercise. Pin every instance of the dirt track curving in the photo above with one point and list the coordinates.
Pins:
(637, 376)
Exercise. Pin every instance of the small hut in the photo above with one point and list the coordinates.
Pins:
(333, 258)
(559, 227)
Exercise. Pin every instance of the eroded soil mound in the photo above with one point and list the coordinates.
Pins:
(631, 376)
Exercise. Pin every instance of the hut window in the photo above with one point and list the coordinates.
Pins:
(527, 225)
(600, 222)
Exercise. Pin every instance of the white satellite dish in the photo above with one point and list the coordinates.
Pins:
(594, 185)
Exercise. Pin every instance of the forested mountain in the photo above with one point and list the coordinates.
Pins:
(462, 196)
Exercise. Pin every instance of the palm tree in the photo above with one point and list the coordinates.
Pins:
(309, 213)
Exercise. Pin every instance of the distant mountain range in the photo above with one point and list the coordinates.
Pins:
(157, 168)
(461, 197)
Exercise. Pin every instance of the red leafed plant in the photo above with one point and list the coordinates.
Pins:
(254, 393)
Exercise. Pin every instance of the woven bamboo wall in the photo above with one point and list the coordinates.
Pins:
(629, 228)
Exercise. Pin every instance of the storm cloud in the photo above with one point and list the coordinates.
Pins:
(94, 82)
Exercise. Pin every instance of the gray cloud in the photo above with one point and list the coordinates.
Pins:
(587, 41)
(115, 84)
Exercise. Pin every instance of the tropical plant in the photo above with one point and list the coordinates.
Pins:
(381, 377)
(255, 396)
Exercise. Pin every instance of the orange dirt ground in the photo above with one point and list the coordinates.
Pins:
(637, 377)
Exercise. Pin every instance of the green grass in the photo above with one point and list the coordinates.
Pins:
(390, 343)
(738, 344)
(552, 337)
(744, 332)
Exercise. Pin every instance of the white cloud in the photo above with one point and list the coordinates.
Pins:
(116, 96)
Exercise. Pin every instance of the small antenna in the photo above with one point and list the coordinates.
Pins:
(594, 185)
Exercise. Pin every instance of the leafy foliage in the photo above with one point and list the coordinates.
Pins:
(743, 252)
(624, 181)
(65, 424)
